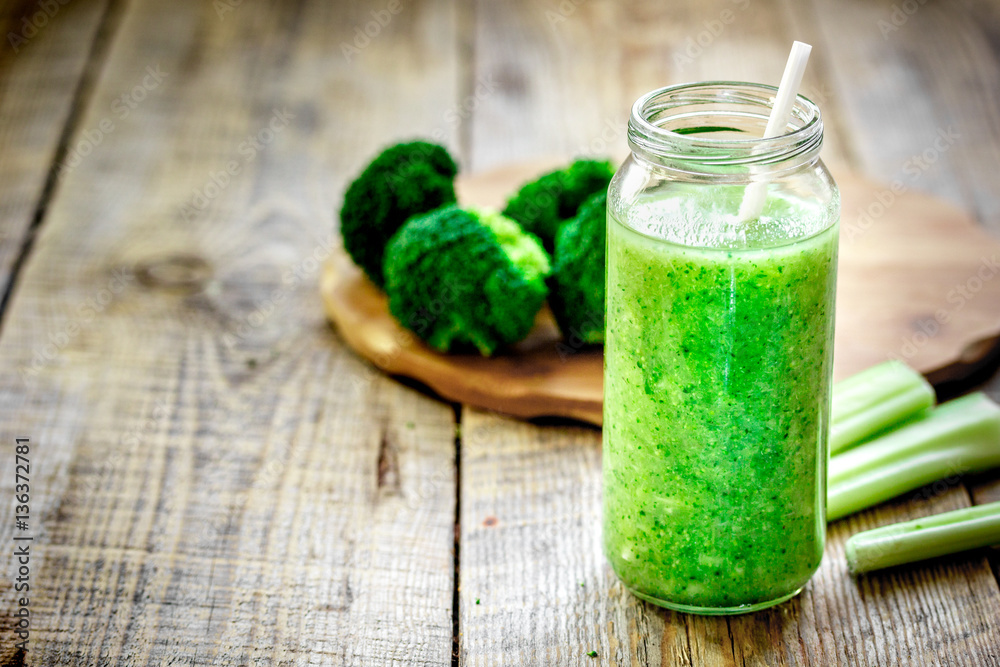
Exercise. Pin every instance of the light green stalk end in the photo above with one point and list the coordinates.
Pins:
(930, 537)
(875, 400)
(959, 437)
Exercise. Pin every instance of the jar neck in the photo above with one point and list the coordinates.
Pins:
(713, 131)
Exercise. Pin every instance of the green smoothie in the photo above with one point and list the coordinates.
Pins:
(717, 397)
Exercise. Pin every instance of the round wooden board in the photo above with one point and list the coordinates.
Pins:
(918, 281)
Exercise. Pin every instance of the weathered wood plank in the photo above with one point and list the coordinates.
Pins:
(542, 94)
(534, 589)
(920, 90)
(530, 532)
(43, 58)
(216, 479)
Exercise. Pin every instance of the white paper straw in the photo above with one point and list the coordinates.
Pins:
(756, 193)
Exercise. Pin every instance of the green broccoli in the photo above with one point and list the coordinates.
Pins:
(577, 280)
(465, 278)
(542, 205)
(402, 181)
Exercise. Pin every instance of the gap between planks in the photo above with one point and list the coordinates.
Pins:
(465, 37)
(96, 57)
(456, 628)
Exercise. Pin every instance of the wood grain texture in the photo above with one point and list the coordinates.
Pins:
(541, 83)
(216, 479)
(42, 62)
(905, 80)
(530, 495)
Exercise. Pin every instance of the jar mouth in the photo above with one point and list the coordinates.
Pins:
(714, 126)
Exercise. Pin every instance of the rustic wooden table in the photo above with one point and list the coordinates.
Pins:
(216, 479)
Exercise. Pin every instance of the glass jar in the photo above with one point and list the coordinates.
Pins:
(719, 351)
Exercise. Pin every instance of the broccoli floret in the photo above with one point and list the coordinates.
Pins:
(402, 181)
(465, 278)
(542, 205)
(577, 281)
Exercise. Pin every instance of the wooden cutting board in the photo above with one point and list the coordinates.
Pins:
(918, 281)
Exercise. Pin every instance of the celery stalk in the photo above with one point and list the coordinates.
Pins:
(874, 400)
(961, 436)
(878, 485)
(938, 535)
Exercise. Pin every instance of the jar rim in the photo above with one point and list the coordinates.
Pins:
(665, 145)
